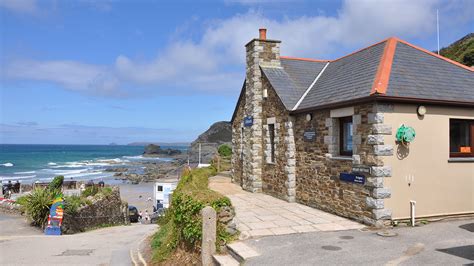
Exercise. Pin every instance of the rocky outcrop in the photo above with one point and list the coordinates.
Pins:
(219, 133)
(156, 150)
(105, 210)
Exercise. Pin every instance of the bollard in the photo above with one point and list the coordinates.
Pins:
(209, 221)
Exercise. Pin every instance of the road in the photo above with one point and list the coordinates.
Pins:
(21, 244)
(439, 243)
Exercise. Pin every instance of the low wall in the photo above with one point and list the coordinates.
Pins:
(9, 207)
(225, 217)
(104, 211)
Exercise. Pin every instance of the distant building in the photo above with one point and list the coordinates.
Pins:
(338, 134)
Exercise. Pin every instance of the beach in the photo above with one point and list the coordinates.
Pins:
(137, 195)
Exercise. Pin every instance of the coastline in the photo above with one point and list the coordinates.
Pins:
(31, 163)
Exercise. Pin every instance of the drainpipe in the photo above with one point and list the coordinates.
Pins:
(412, 212)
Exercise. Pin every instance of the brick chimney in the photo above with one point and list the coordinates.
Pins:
(260, 52)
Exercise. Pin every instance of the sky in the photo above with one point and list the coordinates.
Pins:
(121, 71)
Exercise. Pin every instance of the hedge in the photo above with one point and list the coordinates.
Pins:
(182, 224)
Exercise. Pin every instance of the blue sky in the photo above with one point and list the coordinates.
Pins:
(96, 72)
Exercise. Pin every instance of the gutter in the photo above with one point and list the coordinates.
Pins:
(384, 98)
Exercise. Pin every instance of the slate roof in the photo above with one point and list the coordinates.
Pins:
(417, 74)
(293, 79)
(392, 69)
(347, 78)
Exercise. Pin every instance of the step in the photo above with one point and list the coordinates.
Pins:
(241, 251)
(225, 260)
(226, 174)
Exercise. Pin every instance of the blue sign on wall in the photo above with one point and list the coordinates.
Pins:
(352, 177)
(248, 121)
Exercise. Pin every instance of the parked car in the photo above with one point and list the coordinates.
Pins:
(133, 214)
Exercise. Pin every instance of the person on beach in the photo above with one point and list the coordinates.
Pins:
(147, 217)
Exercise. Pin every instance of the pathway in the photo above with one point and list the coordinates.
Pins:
(106, 246)
(258, 214)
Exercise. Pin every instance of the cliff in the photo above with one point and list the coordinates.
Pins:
(461, 51)
(219, 133)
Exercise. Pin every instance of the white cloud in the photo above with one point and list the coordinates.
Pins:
(20, 6)
(69, 74)
(215, 61)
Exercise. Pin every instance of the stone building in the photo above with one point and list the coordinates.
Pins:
(337, 135)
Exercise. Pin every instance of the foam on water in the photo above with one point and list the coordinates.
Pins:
(85, 169)
(25, 173)
(16, 177)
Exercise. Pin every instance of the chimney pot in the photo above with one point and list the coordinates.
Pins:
(263, 34)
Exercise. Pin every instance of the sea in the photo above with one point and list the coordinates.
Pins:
(31, 163)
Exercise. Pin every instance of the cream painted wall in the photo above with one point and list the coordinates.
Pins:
(423, 173)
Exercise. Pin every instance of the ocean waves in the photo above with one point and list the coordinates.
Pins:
(92, 169)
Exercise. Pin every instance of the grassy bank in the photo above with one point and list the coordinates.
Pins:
(180, 234)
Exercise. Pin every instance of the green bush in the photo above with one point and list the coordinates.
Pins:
(224, 150)
(36, 205)
(90, 191)
(94, 190)
(57, 183)
(182, 222)
(106, 191)
(73, 203)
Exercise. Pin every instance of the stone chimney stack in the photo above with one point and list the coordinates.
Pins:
(260, 52)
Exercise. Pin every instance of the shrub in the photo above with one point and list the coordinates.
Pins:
(90, 191)
(57, 183)
(73, 203)
(224, 150)
(182, 223)
(37, 204)
(106, 191)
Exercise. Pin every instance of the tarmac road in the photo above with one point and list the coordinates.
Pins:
(23, 245)
(438, 243)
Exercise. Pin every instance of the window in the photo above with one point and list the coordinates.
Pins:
(461, 138)
(345, 133)
(271, 131)
(160, 188)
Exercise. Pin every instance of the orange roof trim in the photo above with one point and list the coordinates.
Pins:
(385, 67)
(436, 55)
(304, 59)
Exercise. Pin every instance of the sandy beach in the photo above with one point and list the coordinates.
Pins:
(131, 193)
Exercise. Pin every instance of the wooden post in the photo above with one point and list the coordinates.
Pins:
(209, 223)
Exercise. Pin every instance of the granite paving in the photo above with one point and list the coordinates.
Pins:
(258, 214)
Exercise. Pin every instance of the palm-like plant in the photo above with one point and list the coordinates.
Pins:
(37, 204)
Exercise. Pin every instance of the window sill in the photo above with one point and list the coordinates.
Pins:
(341, 158)
(460, 159)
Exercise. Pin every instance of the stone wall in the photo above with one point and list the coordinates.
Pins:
(275, 174)
(237, 143)
(258, 53)
(225, 218)
(318, 165)
(104, 210)
(10, 207)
